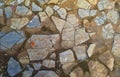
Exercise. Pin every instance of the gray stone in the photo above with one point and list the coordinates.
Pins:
(77, 72)
(10, 39)
(8, 12)
(37, 66)
(97, 69)
(34, 22)
(107, 59)
(18, 23)
(35, 7)
(81, 36)
(66, 57)
(2, 34)
(49, 63)
(49, 11)
(108, 31)
(22, 10)
(62, 13)
(59, 23)
(80, 52)
(113, 16)
(46, 73)
(13, 67)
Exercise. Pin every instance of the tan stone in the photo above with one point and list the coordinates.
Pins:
(93, 2)
(53, 1)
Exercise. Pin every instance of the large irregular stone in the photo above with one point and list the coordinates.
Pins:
(49, 11)
(66, 57)
(34, 22)
(49, 63)
(13, 67)
(77, 72)
(81, 36)
(97, 69)
(18, 23)
(35, 7)
(8, 12)
(80, 52)
(83, 4)
(91, 49)
(116, 46)
(113, 16)
(62, 13)
(38, 54)
(10, 39)
(107, 31)
(22, 10)
(46, 73)
(59, 23)
(107, 59)
(86, 13)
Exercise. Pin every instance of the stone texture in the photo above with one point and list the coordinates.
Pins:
(66, 57)
(93, 2)
(91, 49)
(18, 23)
(107, 31)
(8, 12)
(81, 36)
(46, 73)
(97, 69)
(62, 13)
(28, 71)
(83, 4)
(43, 16)
(49, 11)
(107, 59)
(13, 67)
(49, 63)
(77, 72)
(37, 66)
(35, 7)
(80, 52)
(53, 1)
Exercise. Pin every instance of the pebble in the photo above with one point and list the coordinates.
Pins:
(83, 4)
(80, 52)
(43, 16)
(66, 57)
(13, 67)
(62, 13)
(1, 12)
(93, 2)
(91, 49)
(27, 2)
(46, 73)
(49, 11)
(49, 63)
(35, 7)
(53, 1)
(8, 12)
(37, 66)
(20, 1)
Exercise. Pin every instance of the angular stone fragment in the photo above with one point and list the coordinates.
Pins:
(91, 49)
(86, 13)
(97, 69)
(113, 16)
(8, 12)
(42, 1)
(80, 52)
(56, 7)
(22, 10)
(43, 16)
(62, 13)
(53, 1)
(10, 39)
(83, 4)
(13, 67)
(81, 36)
(37, 66)
(93, 2)
(20, 1)
(77, 72)
(59, 23)
(28, 71)
(38, 54)
(35, 7)
(46, 73)
(27, 2)
(34, 22)
(108, 31)
(24, 60)
(66, 57)
(49, 11)
(18, 23)
(49, 63)
(116, 46)
(107, 59)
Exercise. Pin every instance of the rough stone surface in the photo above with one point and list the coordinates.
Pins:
(83, 4)
(91, 49)
(49, 63)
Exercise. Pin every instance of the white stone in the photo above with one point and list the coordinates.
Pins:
(49, 63)
(91, 49)
(59, 23)
(83, 4)
(113, 16)
(81, 36)
(62, 13)
(27, 2)
(18, 23)
(49, 11)
(80, 52)
(20, 1)
(66, 57)
(56, 7)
